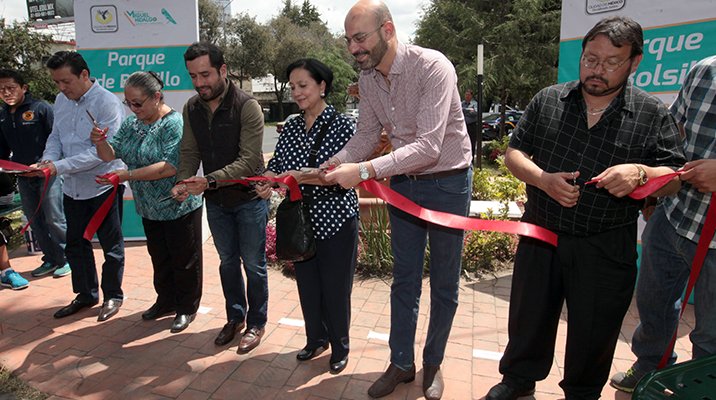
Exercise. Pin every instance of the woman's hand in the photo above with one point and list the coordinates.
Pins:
(98, 135)
(123, 175)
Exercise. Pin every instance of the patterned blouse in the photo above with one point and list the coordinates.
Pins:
(330, 206)
(138, 145)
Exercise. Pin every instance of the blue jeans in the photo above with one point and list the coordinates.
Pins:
(664, 272)
(79, 250)
(48, 225)
(240, 235)
(409, 236)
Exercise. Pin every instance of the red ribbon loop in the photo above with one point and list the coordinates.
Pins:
(102, 211)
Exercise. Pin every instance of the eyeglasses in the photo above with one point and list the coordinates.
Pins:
(361, 37)
(134, 104)
(9, 88)
(609, 65)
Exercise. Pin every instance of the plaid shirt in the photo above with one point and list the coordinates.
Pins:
(695, 107)
(635, 128)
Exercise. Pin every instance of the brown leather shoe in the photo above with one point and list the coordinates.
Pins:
(228, 332)
(389, 380)
(251, 339)
(432, 382)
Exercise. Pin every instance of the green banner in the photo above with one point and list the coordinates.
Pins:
(669, 53)
(111, 67)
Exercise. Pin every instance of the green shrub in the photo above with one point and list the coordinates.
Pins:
(375, 256)
(483, 251)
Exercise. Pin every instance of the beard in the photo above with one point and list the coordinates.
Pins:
(599, 90)
(375, 55)
(214, 91)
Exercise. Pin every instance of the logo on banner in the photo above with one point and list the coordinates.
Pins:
(104, 19)
(602, 6)
(145, 18)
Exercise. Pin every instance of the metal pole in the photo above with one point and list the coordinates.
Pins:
(478, 142)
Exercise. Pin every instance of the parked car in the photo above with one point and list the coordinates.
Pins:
(279, 125)
(491, 124)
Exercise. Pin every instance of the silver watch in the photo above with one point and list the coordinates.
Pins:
(363, 170)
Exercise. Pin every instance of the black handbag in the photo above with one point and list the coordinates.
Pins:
(294, 232)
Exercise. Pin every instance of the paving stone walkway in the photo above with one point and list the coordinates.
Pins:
(127, 358)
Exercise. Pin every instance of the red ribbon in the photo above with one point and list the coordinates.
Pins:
(399, 201)
(11, 165)
(102, 211)
(437, 217)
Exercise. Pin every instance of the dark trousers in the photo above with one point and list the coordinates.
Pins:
(324, 284)
(79, 251)
(596, 276)
(176, 250)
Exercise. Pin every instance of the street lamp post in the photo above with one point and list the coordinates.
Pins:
(478, 151)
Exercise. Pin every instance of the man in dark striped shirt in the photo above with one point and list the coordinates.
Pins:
(600, 128)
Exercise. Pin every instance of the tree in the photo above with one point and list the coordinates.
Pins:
(343, 75)
(289, 42)
(521, 39)
(23, 49)
(211, 19)
(247, 52)
(305, 15)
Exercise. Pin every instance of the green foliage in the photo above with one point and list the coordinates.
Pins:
(305, 15)
(343, 75)
(211, 19)
(501, 185)
(375, 257)
(481, 250)
(520, 37)
(23, 50)
(247, 52)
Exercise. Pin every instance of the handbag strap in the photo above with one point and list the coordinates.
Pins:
(313, 154)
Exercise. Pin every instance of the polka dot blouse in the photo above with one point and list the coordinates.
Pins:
(330, 206)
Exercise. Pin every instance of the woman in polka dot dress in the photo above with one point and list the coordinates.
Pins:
(326, 280)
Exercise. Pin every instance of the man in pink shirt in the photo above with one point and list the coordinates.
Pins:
(411, 92)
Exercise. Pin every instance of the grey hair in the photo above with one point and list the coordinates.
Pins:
(146, 81)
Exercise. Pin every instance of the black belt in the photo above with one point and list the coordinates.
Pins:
(437, 175)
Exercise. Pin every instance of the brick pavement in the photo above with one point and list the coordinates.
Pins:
(127, 358)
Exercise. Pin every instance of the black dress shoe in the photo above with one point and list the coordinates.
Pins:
(228, 332)
(340, 365)
(73, 308)
(391, 378)
(306, 354)
(157, 311)
(109, 308)
(181, 322)
(510, 391)
(433, 384)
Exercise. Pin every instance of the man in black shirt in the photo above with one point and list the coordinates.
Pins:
(600, 128)
(25, 124)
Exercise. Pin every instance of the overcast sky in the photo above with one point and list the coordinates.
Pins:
(405, 12)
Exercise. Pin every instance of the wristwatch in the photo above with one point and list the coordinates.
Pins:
(210, 182)
(643, 179)
(363, 170)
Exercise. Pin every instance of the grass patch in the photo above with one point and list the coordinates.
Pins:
(9, 384)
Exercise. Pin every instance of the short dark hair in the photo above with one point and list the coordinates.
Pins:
(318, 71)
(12, 74)
(620, 30)
(198, 49)
(71, 59)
